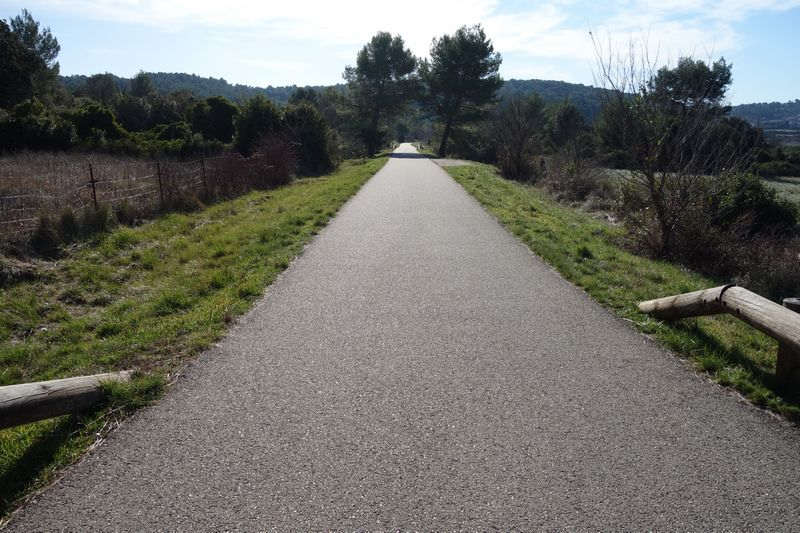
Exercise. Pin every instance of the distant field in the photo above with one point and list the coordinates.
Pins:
(788, 187)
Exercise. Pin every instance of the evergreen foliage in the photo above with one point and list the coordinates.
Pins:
(461, 78)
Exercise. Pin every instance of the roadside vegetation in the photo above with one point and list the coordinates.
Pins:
(145, 298)
(679, 181)
(665, 160)
(591, 253)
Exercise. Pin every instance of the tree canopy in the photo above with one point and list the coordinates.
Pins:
(17, 63)
(259, 118)
(142, 85)
(691, 83)
(44, 45)
(381, 84)
(461, 77)
(215, 118)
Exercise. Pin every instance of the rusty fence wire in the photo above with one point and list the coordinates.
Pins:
(34, 185)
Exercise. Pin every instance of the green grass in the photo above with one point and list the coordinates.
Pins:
(147, 298)
(586, 251)
(788, 188)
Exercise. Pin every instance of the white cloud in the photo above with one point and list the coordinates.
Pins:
(554, 30)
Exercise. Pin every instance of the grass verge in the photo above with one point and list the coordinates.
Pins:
(586, 252)
(146, 298)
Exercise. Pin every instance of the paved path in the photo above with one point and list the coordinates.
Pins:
(418, 368)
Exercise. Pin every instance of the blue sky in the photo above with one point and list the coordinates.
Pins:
(302, 42)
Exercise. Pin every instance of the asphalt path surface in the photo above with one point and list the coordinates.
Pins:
(418, 368)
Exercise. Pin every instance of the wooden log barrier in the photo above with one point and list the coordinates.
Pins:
(698, 303)
(777, 321)
(29, 402)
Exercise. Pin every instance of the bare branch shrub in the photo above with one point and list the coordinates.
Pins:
(518, 126)
(571, 179)
(669, 132)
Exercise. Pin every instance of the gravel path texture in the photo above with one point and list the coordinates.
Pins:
(418, 368)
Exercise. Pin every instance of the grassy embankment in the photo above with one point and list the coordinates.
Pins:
(586, 251)
(146, 298)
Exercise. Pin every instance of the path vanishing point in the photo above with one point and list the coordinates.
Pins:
(418, 368)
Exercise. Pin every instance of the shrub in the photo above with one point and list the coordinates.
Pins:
(514, 167)
(574, 181)
(215, 118)
(30, 125)
(259, 118)
(126, 214)
(172, 132)
(733, 228)
(770, 266)
(96, 220)
(68, 225)
(310, 135)
(737, 195)
(94, 121)
(276, 162)
(46, 241)
(132, 113)
(475, 142)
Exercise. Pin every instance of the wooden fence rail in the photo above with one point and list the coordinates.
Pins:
(29, 402)
(778, 322)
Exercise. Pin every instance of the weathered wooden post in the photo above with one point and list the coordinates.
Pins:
(787, 368)
(29, 402)
(765, 315)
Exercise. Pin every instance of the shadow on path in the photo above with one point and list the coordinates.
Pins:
(409, 155)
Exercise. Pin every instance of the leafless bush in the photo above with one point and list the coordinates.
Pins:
(518, 127)
(668, 122)
(769, 264)
(277, 161)
(576, 180)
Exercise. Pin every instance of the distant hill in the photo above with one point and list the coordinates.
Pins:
(781, 121)
(167, 82)
(586, 98)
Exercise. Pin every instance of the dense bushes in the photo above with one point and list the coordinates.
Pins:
(30, 125)
(259, 118)
(734, 228)
(93, 120)
(215, 118)
(312, 137)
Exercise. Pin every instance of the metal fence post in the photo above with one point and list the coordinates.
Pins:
(205, 181)
(94, 189)
(160, 185)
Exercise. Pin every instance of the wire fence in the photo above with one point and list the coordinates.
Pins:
(36, 185)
